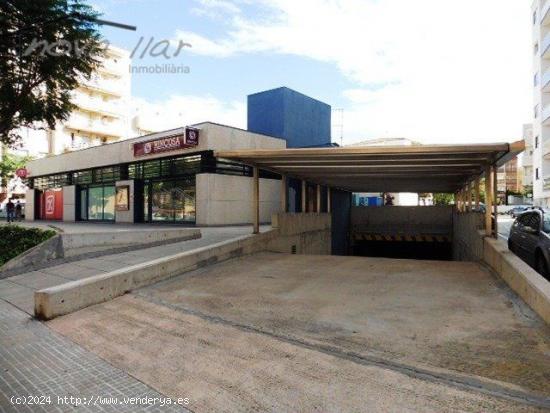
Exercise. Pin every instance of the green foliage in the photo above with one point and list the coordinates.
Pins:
(45, 47)
(443, 199)
(15, 240)
(9, 163)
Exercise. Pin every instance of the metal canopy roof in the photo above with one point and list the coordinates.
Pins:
(422, 168)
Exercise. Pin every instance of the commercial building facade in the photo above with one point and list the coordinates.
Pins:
(170, 177)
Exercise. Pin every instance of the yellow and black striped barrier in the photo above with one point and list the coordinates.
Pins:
(402, 238)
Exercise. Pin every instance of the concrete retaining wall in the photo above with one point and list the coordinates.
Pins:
(308, 232)
(467, 241)
(521, 278)
(70, 247)
(403, 219)
(32, 259)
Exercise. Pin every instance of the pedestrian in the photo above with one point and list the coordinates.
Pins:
(18, 211)
(10, 210)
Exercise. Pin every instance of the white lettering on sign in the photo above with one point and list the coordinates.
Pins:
(50, 204)
(167, 144)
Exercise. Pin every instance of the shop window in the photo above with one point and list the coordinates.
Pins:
(97, 203)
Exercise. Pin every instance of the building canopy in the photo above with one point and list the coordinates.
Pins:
(417, 168)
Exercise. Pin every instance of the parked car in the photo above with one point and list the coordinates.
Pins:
(517, 211)
(530, 239)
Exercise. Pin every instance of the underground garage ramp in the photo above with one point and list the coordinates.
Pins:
(389, 231)
(282, 332)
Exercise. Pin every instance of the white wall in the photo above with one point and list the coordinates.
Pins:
(30, 197)
(227, 199)
(69, 201)
(212, 137)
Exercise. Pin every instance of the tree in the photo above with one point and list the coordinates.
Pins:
(9, 163)
(46, 48)
(443, 199)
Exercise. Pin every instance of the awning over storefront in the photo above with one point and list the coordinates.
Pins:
(419, 168)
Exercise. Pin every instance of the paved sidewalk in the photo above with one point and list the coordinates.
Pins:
(35, 361)
(19, 290)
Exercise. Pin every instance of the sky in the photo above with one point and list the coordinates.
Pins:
(435, 71)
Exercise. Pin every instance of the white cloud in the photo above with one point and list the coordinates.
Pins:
(440, 70)
(182, 110)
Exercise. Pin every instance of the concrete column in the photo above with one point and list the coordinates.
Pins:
(495, 199)
(304, 196)
(30, 199)
(284, 193)
(328, 200)
(256, 201)
(469, 197)
(476, 193)
(488, 201)
(318, 204)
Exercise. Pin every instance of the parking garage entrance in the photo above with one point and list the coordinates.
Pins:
(387, 231)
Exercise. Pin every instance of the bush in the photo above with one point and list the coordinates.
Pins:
(15, 240)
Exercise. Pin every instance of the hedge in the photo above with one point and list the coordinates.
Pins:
(15, 240)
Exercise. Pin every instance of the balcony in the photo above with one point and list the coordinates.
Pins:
(545, 115)
(118, 68)
(546, 149)
(545, 14)
(107, 86)
(111, 108)
(545, 81)
(102, 127)
(545, 47)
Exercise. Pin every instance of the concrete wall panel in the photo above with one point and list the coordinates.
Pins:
(403, 219)
(227, 199)
(69, 203)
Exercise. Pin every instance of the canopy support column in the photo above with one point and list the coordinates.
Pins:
(495, 199)
(470, 196)
(476, 193)
(318, 198)
(284, 193)
(328, 200)
(256, 200)
(488, 201)
(304, 197)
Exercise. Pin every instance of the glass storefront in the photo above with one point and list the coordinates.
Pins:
(97, 203)
(170, 201)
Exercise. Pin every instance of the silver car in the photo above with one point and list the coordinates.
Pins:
(530, 239)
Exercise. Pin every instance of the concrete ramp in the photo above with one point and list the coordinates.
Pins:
(76, 246)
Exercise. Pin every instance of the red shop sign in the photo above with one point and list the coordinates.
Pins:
(21, 173)
(167, 143)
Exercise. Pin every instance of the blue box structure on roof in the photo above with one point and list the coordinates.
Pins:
(302, 121)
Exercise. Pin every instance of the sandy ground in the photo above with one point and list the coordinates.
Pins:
(276, 332)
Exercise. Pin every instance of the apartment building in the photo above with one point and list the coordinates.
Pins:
(102, 108)
(527, 156)
(541, 102)
(102, 115)
(510, 177)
